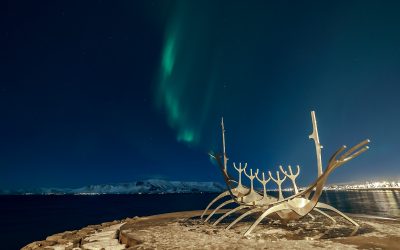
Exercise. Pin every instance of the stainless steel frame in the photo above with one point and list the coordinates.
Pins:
(291, 208)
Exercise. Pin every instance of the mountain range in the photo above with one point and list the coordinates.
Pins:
(152, 186)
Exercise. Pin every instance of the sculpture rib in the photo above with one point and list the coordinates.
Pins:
(325, 214)
(234, 210)
(266, 213)
(220, 196)
(252, 211)
(311, 216)
(218, 208)
(326, 206)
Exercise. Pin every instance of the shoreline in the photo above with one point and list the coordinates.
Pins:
(184, 230)
(81, 238)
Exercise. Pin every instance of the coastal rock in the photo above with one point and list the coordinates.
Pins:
(55, 237)
(92, 237)
(184, 230)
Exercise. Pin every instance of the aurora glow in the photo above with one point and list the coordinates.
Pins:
(170, 95)
(265, 71)
(131, 90)
(179, 72)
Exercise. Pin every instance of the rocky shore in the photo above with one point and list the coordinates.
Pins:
(103, 236)
(184, 230)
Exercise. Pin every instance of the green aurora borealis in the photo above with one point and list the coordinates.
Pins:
(181, 62)
(131, 90)
(265, 66)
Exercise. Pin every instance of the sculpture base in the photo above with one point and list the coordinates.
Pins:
(184, 230)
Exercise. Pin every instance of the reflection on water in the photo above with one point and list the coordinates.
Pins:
(381, 203)
(385, 203)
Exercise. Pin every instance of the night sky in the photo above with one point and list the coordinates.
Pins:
(96, 92)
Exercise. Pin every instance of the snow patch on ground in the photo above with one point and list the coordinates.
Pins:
(106, 239)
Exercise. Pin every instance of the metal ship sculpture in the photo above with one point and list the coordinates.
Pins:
(294, 207)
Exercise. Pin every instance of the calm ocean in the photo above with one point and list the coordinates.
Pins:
(28, 218)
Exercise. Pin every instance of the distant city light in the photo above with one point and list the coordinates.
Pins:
(368, 185)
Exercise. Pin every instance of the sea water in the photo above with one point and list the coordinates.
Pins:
(27, 218)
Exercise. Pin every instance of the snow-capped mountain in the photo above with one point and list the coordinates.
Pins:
(152, 186)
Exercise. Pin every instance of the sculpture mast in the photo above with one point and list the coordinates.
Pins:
(223, 143)
(318, 146)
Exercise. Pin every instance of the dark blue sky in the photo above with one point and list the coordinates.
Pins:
(114, 91)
